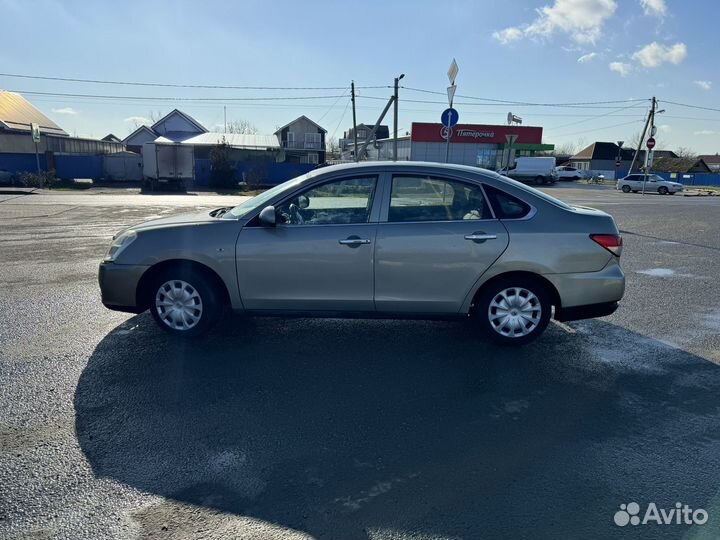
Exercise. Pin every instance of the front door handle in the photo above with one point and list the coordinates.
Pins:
(480, 237)
(354, 241)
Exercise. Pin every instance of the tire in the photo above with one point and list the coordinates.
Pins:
(524, 295)
(198, 305)
(626, 189)
(539, 180)
(662, 190)
(576, 178)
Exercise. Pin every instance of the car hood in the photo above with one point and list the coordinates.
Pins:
(191, 218)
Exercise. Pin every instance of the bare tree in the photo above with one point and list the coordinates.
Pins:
(155, 116)
(565, 149)
(242, 127)
(685, 152)
(332, 146)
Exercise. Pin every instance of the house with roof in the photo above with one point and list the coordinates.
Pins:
(712, 161)
(684, 165)
(303, 141)
(601, 157)
(56, 149)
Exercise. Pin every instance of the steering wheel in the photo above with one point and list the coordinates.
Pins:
(296, 215)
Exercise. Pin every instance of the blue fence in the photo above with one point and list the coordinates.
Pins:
(692, 179)
(69, 166)
(21, 163)
(263, 173)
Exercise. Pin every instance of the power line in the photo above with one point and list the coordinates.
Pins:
(175, 85)
(188, 99)
(591, 118)
(507, 102)
(515, 104)
(690, 106)
(597, 129)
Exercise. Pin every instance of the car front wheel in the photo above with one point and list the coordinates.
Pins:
(662, 190)
(626, 189)
(513, 311)
(184, 303)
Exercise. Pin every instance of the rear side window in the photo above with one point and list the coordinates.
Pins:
(425, 198)
(505, 205)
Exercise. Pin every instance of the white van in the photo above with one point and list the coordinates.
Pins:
(532, 170)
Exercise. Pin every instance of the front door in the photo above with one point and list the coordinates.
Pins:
(319, 257)
(439, 238)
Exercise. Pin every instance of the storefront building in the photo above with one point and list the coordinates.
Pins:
(476, 145)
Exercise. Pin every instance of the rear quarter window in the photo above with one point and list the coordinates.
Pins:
(506, 206)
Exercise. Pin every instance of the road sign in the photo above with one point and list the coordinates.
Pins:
(617, 163)
(511, 139)
(445, 132)
(453, 71)
(451, 94)
(35, 132)
(651, 143)
(449, 117)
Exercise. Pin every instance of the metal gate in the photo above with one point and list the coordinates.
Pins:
(123, 166)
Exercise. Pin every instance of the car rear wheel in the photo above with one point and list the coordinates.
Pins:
(626, 189)
(662, 190)
(184, 303)
(539, 180)
(513, 311)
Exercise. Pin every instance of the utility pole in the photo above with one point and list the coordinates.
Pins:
(225, 117)
(651, 122)
(395, 114)
(642, 138)
(352, 94)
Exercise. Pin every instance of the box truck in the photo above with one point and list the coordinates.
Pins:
(170, 166)
(532, 170)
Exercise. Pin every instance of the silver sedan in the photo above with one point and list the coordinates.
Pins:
(387, 240)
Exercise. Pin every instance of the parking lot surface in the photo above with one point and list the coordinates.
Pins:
(301, 428)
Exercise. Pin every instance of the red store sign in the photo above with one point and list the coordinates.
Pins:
(475, 133)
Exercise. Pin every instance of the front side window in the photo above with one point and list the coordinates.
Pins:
(423, 198)
(343, 201)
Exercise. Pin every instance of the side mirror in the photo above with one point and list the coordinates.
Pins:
(303, 202)
(267, 216)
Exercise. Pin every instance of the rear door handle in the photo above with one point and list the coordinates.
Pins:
(480, 237)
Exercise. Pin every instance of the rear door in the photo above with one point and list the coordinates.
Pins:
(435, 238)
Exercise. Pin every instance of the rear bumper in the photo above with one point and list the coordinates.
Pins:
(581, 291)
(586, 312)
(118, 286)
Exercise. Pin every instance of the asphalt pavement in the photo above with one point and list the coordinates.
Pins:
(302, 428)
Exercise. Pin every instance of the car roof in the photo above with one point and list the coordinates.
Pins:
(401, 165)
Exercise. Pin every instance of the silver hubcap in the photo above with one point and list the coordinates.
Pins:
(514, 312)
(178, 304)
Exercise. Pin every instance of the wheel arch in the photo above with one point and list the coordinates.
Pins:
(544, 282)
(142, 292)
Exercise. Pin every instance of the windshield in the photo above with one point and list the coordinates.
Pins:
(258, 201)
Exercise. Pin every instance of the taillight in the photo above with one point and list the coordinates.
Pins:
(612, 242)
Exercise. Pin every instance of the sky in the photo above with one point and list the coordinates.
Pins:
(530, 53)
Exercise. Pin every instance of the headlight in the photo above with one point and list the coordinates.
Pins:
(119, 243)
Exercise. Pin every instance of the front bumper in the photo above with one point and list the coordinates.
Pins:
(118, 286)
(675, 189)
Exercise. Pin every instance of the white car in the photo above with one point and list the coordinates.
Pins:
(565, 172)
(653, 182)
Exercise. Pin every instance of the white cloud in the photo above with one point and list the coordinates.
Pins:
(654, 7)
(654, 54)
(582, 20)
(65, 110)
(508, 35)
(705, 85)
(665, 128)
(705, 132)
(137, 120)
(585, 58)
(620, 67)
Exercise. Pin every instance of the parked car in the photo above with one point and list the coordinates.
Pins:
(8, 178)
(566, 172)
(532, 170)
(653, 182)
(387, 240)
